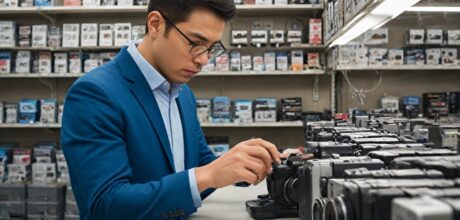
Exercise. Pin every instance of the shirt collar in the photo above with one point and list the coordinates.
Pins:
(155, 80)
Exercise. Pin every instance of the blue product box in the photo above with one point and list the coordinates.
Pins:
(43, 3)
(415, 56)
(29, 110)
(221, 109)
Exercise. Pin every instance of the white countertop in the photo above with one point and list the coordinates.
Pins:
(229, 203)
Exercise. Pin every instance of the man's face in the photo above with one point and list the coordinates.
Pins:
(172, 51)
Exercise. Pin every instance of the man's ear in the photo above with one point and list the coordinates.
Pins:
(155, 24)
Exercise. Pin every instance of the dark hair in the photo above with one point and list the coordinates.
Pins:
(179, 10)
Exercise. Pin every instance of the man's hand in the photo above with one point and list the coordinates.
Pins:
(249, 161)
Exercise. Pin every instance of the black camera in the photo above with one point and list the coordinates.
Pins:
(448, 165)
(387, 156)
(365, 199)
(282, 199)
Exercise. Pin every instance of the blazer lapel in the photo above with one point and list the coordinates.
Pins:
(141, 90)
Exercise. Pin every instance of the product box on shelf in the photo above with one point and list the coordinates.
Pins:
(235, 61)
(221, 106)
(211, 66)
(9, 4)
(108, 2)
(5, 62)
(246, 62)
(315, 33)
(44, 62)
(138, 32)
(7, 34)
(264, 2)
(276, 36)
(23, 59)
(22, 156)
(43, 3)
(434, 36)
(243, 111)
(75, 62)
(29, 110)
(60, 63)
(259, 37)
(449, 56)
(416, 37)
(44, 173)
(378, 56)
(282, 61)
(70, 35)
(45, 152)
(106, 34)
(239, 37)
(313, 61)
(203, 108)
(453, 37)
(395, 57)
(48, 111)
(54, 36)
(270, 61)
(433, 56)
(11, 113)
(26, 3)
(222, 62)
(297, 60)
(415, 56)
(24, 35)
(258, 63)
(72, 2)
(60, 112)
(122, 33)
(91, 2)
(125, 2)
(88, 35)
(265, 110)
(39, 35)
(19, 173)
(376, 37)
(92, 61)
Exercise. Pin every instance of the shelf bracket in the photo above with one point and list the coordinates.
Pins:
(51, 19)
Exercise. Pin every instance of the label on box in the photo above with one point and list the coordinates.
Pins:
(434, 36)
(258, 62)
(71, 35)
(44, 173)
(282, 61)
(246, 62)
(396, 57)
(235, 61)
(23, 59)
(106, 34)
(270, 61)
(48, 111)
(449, 56)
(416, 36)
(433, 56)
(7, 34)
(60, 62)
(378, 56)
(11, 111)
(39, 34)
(44, 62)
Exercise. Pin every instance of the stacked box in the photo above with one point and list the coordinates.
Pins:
(453, 37)
(122, 33)
(29, 111)
(291, 109)
(276, 36)
(235, 61)
(48, 111)
(265, 110)
(246, 62)
(23, 59)
(7, 34)
(297, 60)
(5, 62)
(62, 168)
(435, 104)
(13, 201)
(434, 36)
(106, 34)
(282, 63)
(258, 62)
(395, 57)
(44, 62)
(71, 208)
(378, 56)
(270, 61)
(39, 35)
(221, 109)
(376, 37)
(70, 35)
(46, 201)
(24, 35)
(89, 35)
(11, 113)
(203, 109)
(449, 56)
(415, 56)
(313, 60)
(20, 170)
(416, 37)
(315, 34)
(138, 32)
(74, 62)
(60, 63)
(433, 56)
(243, 111)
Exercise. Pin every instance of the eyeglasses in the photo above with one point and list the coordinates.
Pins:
(197, 49)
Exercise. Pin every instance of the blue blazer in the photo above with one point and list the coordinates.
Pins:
(117, 148)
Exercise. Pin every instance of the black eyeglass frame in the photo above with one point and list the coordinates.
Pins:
(194, 45)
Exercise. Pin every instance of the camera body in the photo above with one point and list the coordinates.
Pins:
(282, 198)
(315, 173)
(449, 165)
(422, 208)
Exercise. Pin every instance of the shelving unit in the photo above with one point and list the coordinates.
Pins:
(400, 67)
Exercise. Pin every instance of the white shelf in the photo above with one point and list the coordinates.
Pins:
(202, 74)
(263, 73)
(400, 67)
(139, 9)
(53, 49)
(37, 125)
(205, 125)
(285, 124)
(290, 47)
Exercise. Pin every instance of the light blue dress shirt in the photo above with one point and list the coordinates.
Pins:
(165, 95)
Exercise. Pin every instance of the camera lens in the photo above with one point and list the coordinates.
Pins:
(336, 209)
(291, 189)
(318, 208)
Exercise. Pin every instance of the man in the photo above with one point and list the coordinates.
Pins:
(130, 134)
